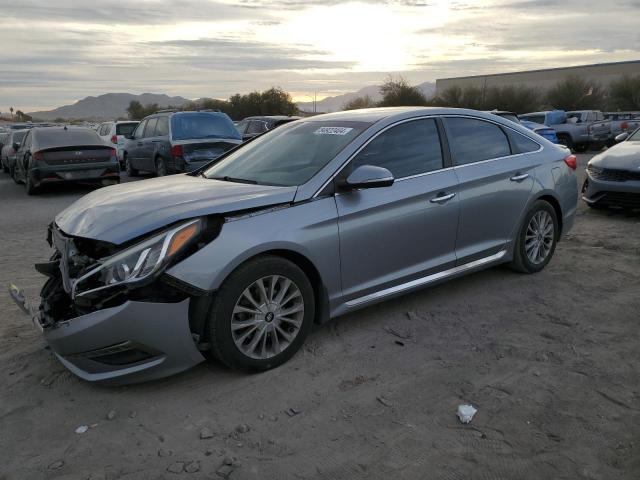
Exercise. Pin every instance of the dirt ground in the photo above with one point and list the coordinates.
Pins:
(551, 361)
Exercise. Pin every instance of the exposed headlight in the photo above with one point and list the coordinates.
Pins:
(138, 262)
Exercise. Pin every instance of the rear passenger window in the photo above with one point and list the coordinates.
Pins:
(408, 149)
(150, 129)
(523, 144)
(474, 140)
(140, 129)
(162, 128)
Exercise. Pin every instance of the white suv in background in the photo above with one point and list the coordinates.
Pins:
(113, 133)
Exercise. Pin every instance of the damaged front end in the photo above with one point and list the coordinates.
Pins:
(111, 313)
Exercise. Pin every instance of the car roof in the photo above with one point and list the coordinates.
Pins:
(374, 115)
(273, 117)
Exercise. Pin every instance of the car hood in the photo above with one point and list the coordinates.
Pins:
(624, 156)
(123, 212)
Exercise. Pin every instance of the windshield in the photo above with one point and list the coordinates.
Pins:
(289, 155)
(197, 125)
(635, 136)
(126, 128)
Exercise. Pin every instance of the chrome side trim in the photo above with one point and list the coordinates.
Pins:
(425, 280)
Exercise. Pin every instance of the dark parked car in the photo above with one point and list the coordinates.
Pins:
(253, 126)
(169, 142)
(10, 146)
(613, 176)
(310, 221)
(61, 154)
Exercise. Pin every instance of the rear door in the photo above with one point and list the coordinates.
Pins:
(134, 146)
(495, 183)
(147, 160)
(393, 235)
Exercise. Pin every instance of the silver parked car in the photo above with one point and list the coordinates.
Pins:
(312, 220)
(613, 176)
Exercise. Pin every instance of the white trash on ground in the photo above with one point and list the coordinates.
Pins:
(466, 413)
(82, 429)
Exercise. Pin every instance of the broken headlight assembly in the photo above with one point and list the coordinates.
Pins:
(136, 265)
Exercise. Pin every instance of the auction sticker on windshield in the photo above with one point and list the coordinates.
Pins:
(333, 131)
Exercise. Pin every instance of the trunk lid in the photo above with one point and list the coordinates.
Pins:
(77, 155)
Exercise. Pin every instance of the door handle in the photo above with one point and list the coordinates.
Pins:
(519, 177)
(442, 198)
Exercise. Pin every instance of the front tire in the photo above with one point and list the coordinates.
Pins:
(5, 168)
(261, 315)
(580, 147)
(29, 183)
(537, 238)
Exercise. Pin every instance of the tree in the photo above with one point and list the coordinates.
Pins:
(137, 111)
(624, 93)
(360, 102)
(11, 110)
(274, 101)
(512, 98)
(22, 117)
(576, 93)
(396, 93)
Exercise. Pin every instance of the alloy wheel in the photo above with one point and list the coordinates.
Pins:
(538, 240)
(267, 317)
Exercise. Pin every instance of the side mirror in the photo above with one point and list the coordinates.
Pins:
(368, 176)
(129, 137)
(16, 146)
(622, 137)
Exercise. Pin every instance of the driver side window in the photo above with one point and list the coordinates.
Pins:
(407, 149)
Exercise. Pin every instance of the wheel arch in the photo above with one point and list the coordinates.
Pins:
(553, 201)
(199, 307)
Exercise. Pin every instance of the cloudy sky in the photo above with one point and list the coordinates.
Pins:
(54, 52)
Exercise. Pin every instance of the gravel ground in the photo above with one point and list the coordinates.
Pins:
(551, 361)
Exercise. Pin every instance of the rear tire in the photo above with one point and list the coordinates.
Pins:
(537, 239)
(277, 335)
(161, 167)
(132, 172)
(581, 147)
(5, 168)
(31, 188)
(13, 175)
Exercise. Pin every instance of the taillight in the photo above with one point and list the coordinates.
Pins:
(624, 125)
(176, 150)
(114, 155)
(114, 139)
(38, 157)
(571, 161)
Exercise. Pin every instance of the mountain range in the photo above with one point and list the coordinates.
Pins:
(114, 105)
(334, 104)
(107, 107)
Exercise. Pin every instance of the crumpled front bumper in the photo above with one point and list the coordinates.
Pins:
(133, 342)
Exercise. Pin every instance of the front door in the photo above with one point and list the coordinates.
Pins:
(396, 234)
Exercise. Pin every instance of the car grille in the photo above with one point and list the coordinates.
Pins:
(610, 175)
(620, 199)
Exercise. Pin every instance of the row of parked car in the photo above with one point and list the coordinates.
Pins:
(163, 143)
(171, 141)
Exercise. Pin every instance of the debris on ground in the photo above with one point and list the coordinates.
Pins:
(58, 464)
(176, 467)
(192, 467)
(82, 429)
(403, 334)
(164, 452)
(111, 415)
(206, 433)
(384, 401)
(243, 428)
(292, 412)
(466, 413)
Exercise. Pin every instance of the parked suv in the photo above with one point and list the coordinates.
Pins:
(578, 130)
(114, 133)
(310, 221)
(169, 142)
(251, 127)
